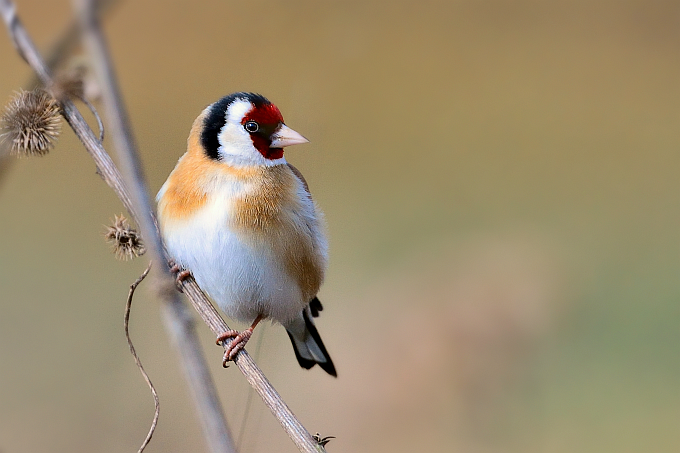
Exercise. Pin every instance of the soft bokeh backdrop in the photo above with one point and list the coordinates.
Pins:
(500, 182)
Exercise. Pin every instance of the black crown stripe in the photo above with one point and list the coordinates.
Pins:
(217, 117)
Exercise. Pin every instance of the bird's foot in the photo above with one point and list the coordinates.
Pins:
(180, 274)
(239, 341)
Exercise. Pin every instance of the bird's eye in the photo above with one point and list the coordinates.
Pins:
(251, 126)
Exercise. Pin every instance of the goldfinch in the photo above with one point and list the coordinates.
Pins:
(241, 220)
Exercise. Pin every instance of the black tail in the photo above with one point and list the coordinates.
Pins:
(307, 344)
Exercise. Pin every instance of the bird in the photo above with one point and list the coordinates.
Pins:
(240, 219)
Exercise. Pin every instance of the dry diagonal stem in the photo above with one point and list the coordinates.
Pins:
(126, 326)
(179, 324)
(297, 432)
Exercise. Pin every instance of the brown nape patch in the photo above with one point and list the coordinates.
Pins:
(270, 214)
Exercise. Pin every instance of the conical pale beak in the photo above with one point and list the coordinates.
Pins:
(285, 136)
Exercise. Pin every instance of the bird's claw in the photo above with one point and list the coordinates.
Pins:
(180, 274)
(234, 347)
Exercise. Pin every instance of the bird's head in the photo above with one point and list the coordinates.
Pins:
(246, 129)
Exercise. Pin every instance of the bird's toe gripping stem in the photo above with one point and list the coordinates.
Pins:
(179, 273)
(239, 341)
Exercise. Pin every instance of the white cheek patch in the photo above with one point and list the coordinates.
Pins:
(238, 109)
(236, 145)
(234, 140)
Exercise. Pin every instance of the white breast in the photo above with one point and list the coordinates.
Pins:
(243, 274)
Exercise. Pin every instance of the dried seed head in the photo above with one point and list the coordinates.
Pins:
(31, 122)
(126, 241)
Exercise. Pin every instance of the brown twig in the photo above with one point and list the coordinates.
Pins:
(126, 325)
(179, 324)
(91, 108)
(297, 432)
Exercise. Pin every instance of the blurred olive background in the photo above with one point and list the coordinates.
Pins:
(500, 183)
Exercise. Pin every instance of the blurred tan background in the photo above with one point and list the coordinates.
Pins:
(500, 182)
